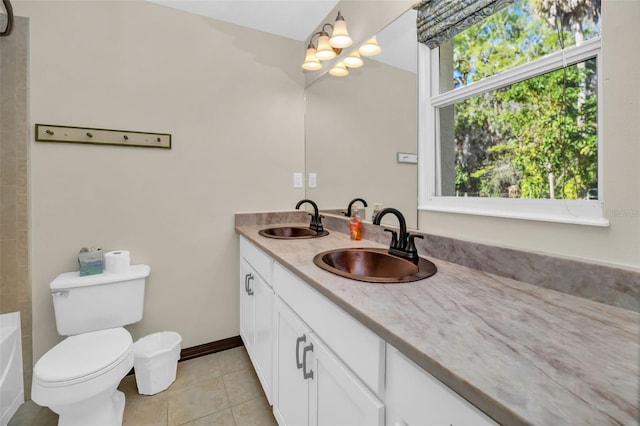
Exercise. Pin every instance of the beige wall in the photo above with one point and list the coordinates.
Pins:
(619, 243)
(232, 98)
(354, 127)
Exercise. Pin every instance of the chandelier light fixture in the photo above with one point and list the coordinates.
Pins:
(331, 42)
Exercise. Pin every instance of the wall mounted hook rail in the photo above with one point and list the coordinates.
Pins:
(93, 136)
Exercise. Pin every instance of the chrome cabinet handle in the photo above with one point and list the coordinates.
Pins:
(298, 341)
(246, 282)
(249, 289)
(306, 349)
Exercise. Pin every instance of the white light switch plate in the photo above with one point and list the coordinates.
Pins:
(404, 157)
(297, 180)
(312, 180)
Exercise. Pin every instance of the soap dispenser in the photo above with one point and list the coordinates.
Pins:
(376, 209)
(355, 225)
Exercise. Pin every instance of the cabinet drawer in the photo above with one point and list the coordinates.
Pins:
(259, 260)
(357, 346)
(414, 397)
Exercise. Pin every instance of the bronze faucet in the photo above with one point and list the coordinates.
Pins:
(316, 219)
(348, 212)
(404, 245)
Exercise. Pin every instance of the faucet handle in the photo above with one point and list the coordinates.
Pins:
(394, 237)
(411, 246)
(316, 223)
(411, 250)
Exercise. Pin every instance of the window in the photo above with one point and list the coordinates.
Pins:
(509, 113)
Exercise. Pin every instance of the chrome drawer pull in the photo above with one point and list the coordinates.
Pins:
(298, 341)
(306, 349)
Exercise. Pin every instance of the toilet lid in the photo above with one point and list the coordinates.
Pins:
(84, 355)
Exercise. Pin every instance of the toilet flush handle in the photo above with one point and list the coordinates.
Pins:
(62, 293)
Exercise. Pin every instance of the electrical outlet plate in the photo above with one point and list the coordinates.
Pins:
(313, 181)
(297, 180)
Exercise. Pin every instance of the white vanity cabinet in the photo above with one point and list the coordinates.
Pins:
(256, 311)
(313, 387)
(414, 397)
(320, 366)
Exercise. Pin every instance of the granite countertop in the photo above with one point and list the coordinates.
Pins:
(521, 353)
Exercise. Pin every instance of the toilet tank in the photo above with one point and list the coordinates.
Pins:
(97, 302)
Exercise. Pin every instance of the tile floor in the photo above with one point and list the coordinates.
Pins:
(217, 389)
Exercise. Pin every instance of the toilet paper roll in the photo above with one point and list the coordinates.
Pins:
(117, 262)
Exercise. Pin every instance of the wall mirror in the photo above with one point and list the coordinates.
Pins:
(355, 126)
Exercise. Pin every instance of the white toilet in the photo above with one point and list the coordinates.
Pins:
(78, 378)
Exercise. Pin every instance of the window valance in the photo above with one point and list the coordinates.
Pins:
(440, 20)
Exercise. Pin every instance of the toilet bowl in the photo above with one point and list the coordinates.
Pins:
(78, 378)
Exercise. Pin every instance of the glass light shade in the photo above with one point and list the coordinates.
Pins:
(339, 70)
(311, 63)
(353, 60)
(370, 47)
(340, 36)
(325, 51)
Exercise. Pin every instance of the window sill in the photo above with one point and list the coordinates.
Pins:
(576, 212)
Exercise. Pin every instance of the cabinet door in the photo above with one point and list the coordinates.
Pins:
(247, 305)
(263, 333)
(414, 397)
(337, 396)
(291, 396)
(356, 346)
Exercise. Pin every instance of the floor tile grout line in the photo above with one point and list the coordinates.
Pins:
(233, 416)
(250, 400)
(228, 406)
(239, 363)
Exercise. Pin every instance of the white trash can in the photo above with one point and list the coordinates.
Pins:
(155, 361)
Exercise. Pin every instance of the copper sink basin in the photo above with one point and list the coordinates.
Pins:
(291, 233)
(373, 265)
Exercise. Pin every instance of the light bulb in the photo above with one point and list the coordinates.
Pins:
(370, 47)
(353, 60)
(340, 36)
(311, 63)
(339, 70)
(325, 51)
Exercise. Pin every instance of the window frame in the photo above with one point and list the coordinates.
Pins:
(584, 212)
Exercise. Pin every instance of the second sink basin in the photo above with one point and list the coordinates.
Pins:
(291, 233)
(373, 265)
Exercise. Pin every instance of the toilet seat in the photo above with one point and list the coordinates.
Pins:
(83, 357)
